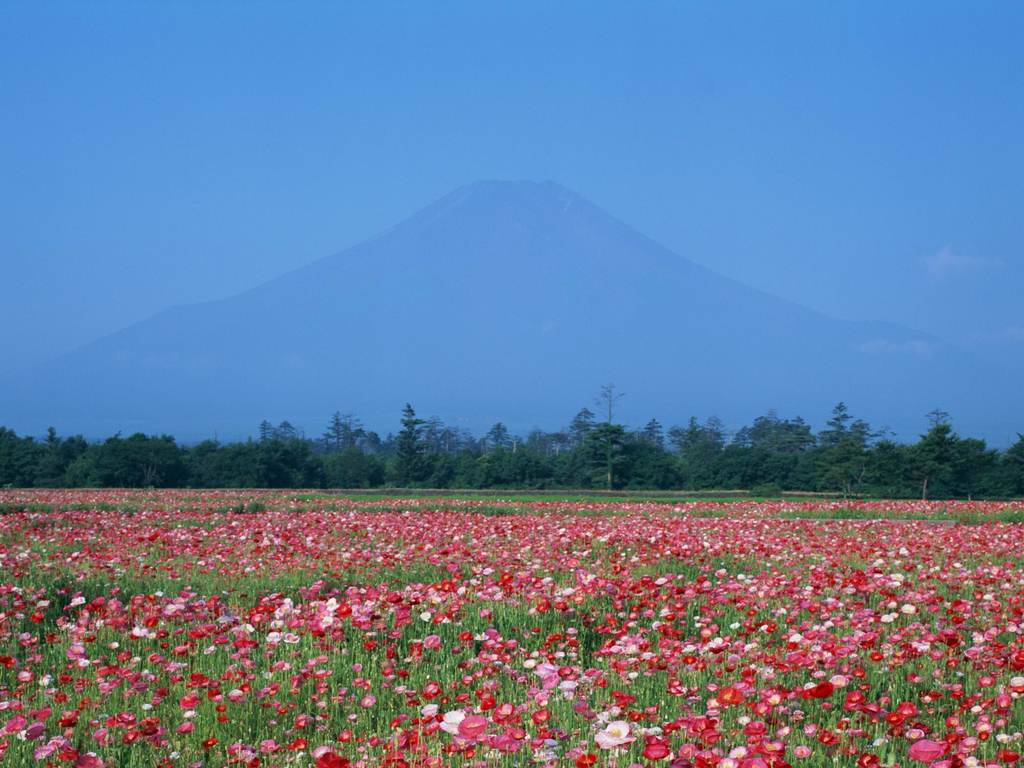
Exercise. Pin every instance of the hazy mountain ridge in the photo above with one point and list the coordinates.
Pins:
(502, 300)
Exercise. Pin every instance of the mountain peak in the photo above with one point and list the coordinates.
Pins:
(546, 189)
(530, 203)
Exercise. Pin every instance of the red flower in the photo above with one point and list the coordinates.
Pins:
(822, 690)
(656, 749)
(729, 695)
(331, 760)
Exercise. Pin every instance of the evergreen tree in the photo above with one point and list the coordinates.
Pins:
(433, 429)
(837, 428)
(138, 461)
(343, 431)
(351, 468)
(842, 452)
(887, 468)
(771, 433)
(933, 455)
(498, 437)
(974, 469)
(603, 449)
(410, 464)
(53, 460)
(580, 426)
(370, 442)
(843, 465)
(699, 447)
(286, 431)
(653, 434)
(1013, 467)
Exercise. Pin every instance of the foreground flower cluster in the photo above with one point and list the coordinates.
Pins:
(184, 629)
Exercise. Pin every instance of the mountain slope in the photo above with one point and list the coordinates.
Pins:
(503, 300)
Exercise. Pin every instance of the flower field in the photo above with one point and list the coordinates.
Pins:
(281, 629)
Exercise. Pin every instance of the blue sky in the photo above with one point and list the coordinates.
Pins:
(861, 158)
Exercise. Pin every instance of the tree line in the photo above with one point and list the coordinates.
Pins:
(768, 456)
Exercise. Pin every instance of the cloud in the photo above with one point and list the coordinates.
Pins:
(947, 262)
(922, 350)
(1015, 333)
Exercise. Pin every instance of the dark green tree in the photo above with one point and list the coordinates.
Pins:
(286, 431)
(842, 460)
(975, 469)
(343, 431)
(699, 447)
(933, 456)
(1013, 467)
(287, 464)
(843, 465)
(56, 456)
(498, 436)
(837, 427)
(887, 469)
(351, 468)
(653, 434)
(603, 451)
(580, 426)
(138, 461)
(19, 459)
(771, 433)
(410, 459)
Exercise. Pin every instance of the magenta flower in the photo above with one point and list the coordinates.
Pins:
(927, 751)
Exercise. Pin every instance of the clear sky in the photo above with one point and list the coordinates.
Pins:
(863, 158)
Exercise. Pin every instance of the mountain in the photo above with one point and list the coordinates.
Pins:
(507, 301)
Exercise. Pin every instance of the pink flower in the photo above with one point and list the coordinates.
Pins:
(927, 751)
(15, 724)
(472, 726)
(615, 734)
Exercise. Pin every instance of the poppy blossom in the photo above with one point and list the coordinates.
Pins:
(426, 632)
(331, 760)
(927, 751)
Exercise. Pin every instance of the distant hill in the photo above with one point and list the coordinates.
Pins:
(502, 300)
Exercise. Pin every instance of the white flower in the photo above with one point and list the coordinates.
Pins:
(615, 734)
(452, 720)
